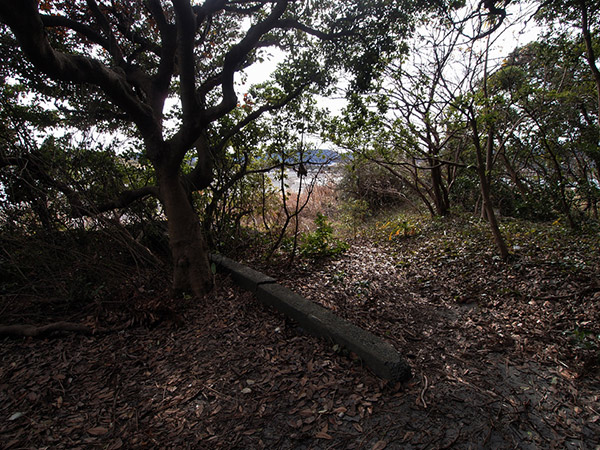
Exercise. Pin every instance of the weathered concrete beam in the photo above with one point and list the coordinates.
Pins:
(380, 356)
(245, 277)
(377, 354)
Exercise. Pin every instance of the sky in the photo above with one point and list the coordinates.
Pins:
(517, 34)
(519, 29)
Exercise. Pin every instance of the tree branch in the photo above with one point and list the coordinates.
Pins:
(35, 331)
(589, 47)
(185, 20)
(237, 55)
(126, 198)
(286, 24)
(84, 30)
(233, 62)
(113, 45)
(79, 209)
(257, 113)
(166, 67)
(25, 22)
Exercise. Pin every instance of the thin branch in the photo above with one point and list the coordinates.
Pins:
(79, 209)
(126, 198)
(25, 22)
(113, 45)
(84, 30)
(287, 24)
(257, 113)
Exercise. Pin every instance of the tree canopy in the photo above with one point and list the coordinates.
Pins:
(451, 124)
(119, 64)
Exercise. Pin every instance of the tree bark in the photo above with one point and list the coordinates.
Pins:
(490, 214)
(485, 189)
(191, 268)
(437, 184)
(484, 165)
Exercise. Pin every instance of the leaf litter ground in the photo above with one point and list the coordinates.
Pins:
(504, 354)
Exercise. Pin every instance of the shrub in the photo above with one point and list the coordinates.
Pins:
(321, 242)
(372, 185)
(400, 228)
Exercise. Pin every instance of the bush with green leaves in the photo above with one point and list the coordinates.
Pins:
(321, 242)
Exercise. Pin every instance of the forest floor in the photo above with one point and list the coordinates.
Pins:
(504, 354)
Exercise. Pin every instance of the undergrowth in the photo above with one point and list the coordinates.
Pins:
(68, 273)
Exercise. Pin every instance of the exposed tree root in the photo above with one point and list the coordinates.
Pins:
(37, 331)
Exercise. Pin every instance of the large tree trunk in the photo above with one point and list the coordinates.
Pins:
(191, 268)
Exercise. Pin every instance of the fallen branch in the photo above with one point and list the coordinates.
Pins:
(35, 331)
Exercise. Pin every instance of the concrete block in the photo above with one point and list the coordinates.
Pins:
(245, 277)
(377, 354)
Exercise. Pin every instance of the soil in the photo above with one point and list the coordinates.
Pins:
(504, 355)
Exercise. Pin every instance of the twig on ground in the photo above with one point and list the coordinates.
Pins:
(35, 331)
(422, 396)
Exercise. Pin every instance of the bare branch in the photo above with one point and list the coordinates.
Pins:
(186, 31)
(24, 20)
(84, 30)
(36, 331)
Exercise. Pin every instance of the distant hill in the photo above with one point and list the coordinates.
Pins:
(320, 156)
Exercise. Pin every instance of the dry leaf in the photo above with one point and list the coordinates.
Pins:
(15, 416)
(323, 435)
(249, 432)
(379, 445)
(340, 410)
(97, 431)
(408, 436)
(116, 445)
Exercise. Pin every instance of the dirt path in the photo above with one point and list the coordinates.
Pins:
(494, 366)
(488, 363)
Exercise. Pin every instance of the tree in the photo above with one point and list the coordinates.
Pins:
(134, 56)
(430, 103)
(554, 150)
(476, 104)
(478, 111)
(408, 115)
(580, 15)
